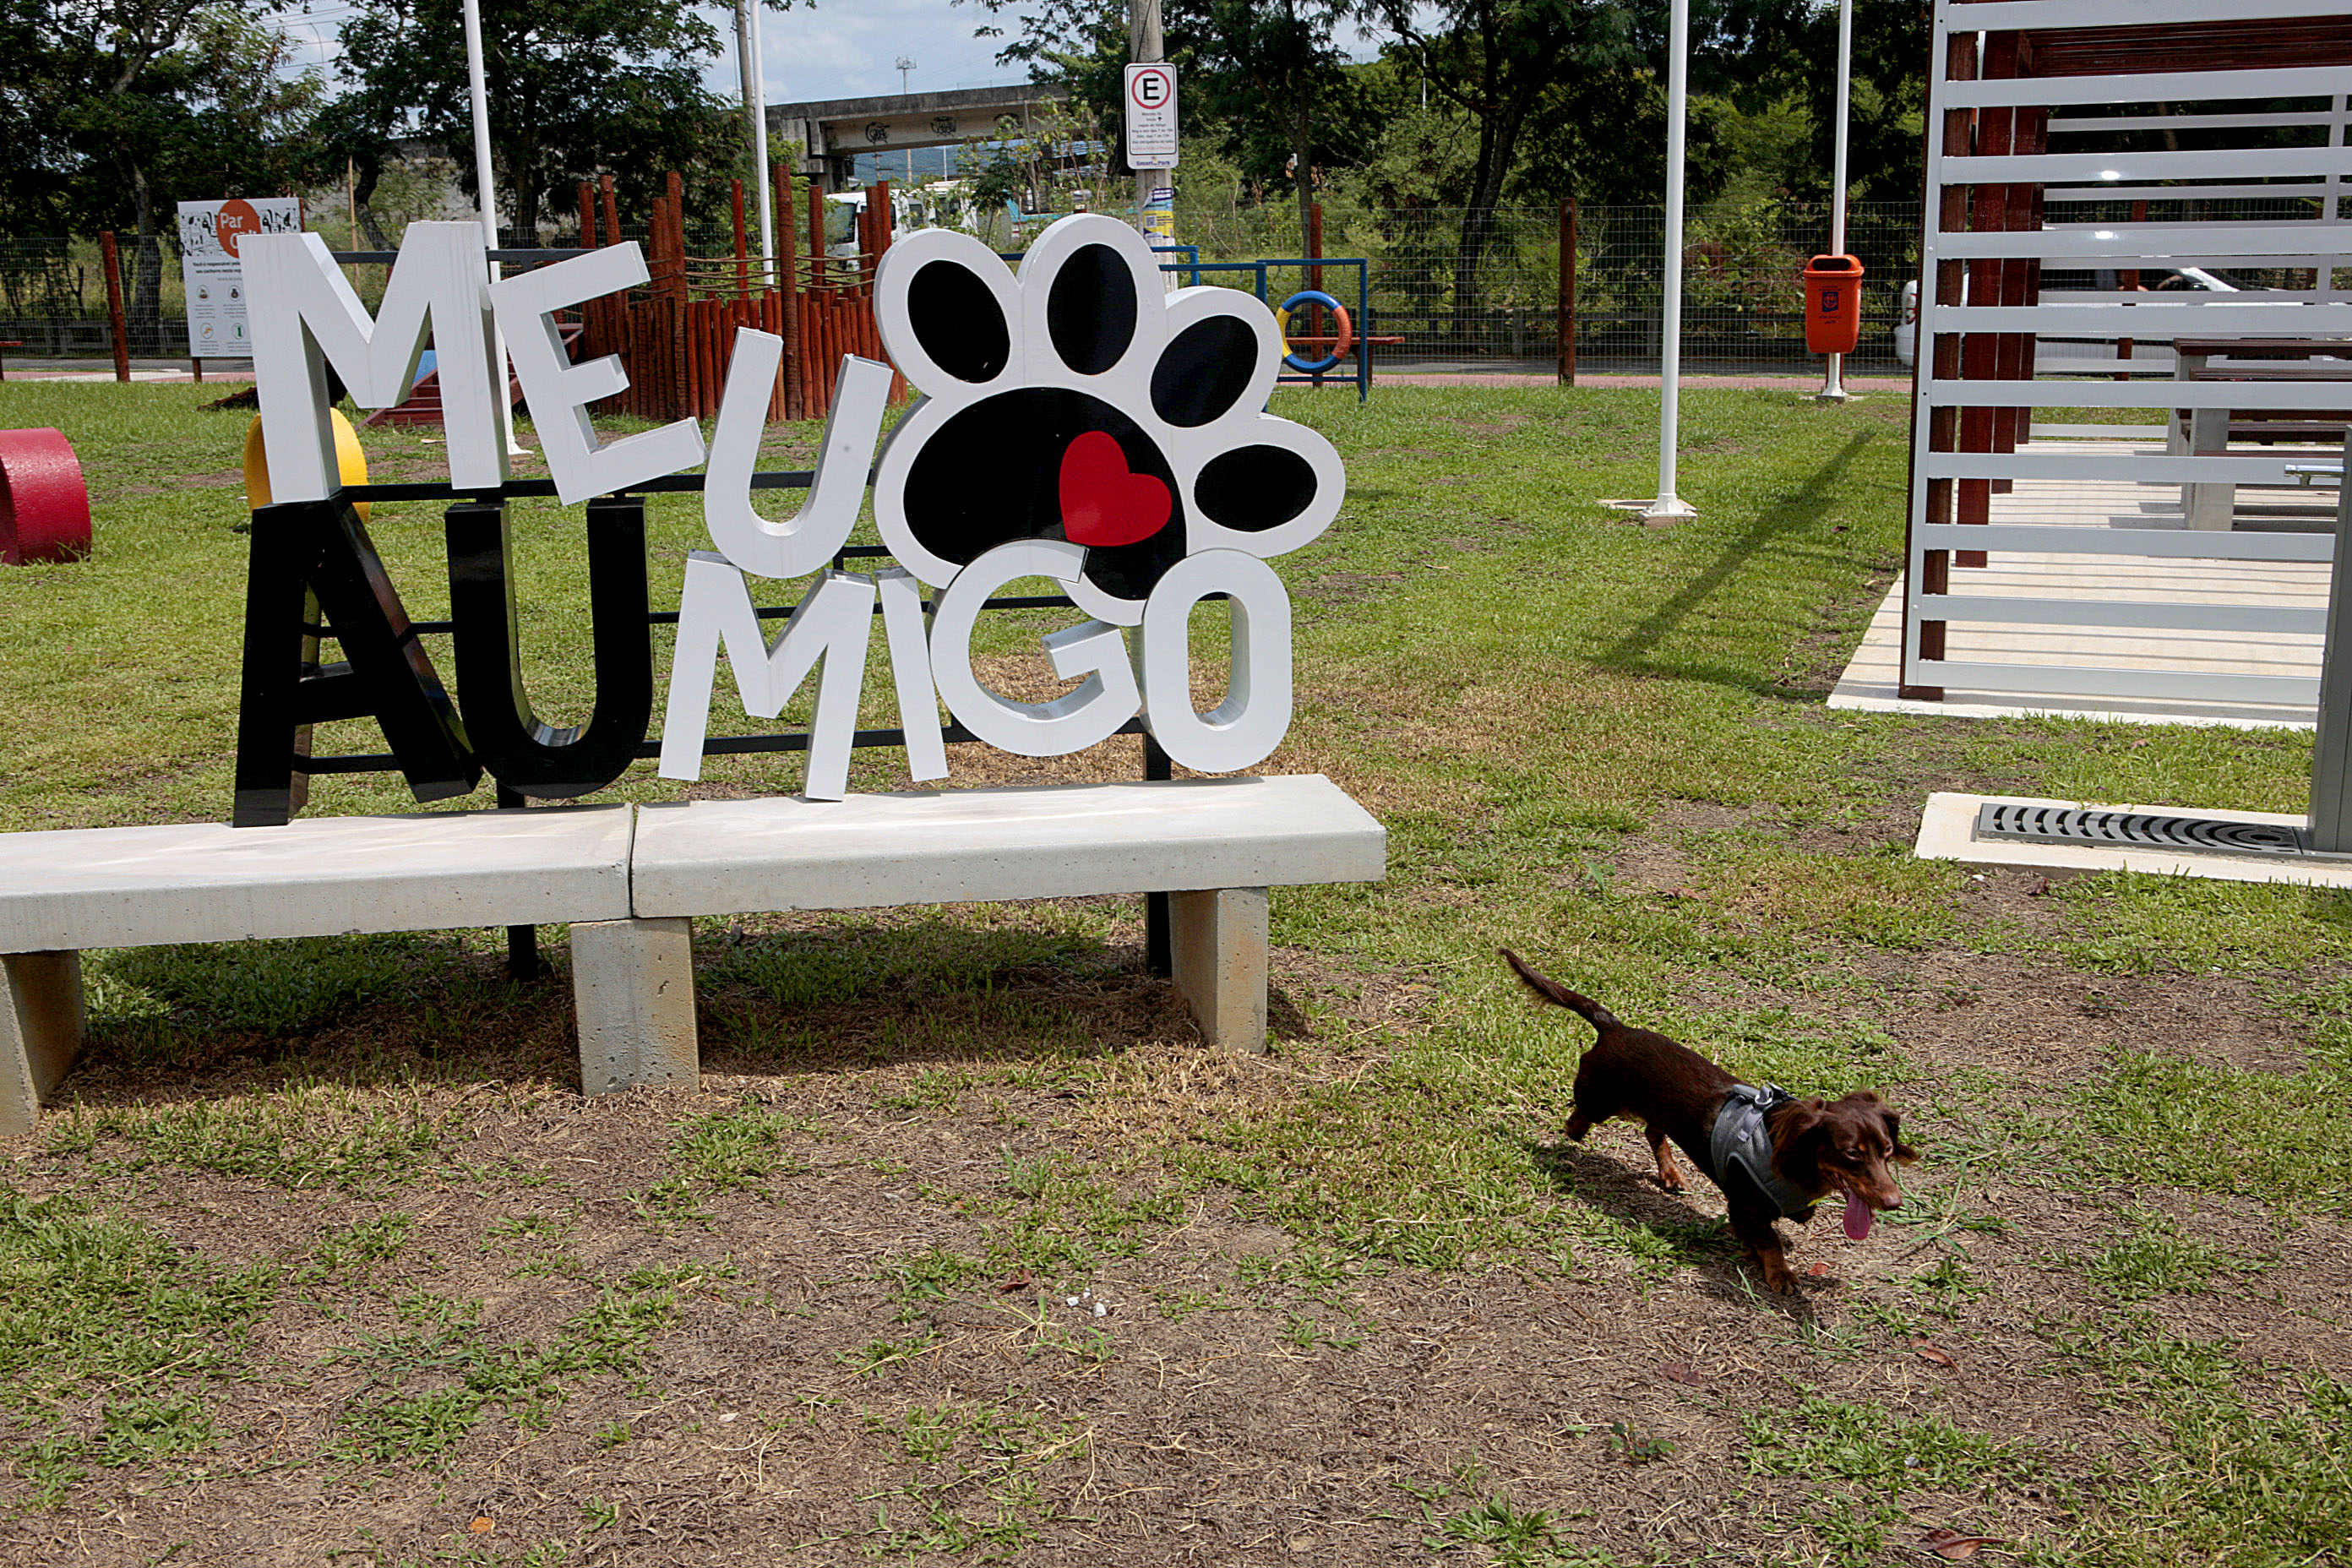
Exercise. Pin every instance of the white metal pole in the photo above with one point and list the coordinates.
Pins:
(480, 91)
(1670, 359)
(1833, 389)
(758, 80)
(482, 96)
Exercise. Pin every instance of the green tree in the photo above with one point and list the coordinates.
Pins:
(1585, 76)
(116, 110)
(1263, 81)
(576, 88)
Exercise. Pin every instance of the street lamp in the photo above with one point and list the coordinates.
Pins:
(906, 64)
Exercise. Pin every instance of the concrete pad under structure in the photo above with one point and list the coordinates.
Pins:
(1870, 681)
(1947, 832)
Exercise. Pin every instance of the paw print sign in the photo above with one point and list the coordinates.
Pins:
(1078, 424)
(1079, 404)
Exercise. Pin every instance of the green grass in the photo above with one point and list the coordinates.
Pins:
(1599, 743)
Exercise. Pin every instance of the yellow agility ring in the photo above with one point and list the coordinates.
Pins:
(350, 462)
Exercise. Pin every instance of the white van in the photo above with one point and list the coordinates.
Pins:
(2061, 354)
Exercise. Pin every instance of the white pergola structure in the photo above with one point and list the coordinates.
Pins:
(2109, 145)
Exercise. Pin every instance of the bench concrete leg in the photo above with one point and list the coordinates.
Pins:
(633, 989)
(1217, 945)
(41, 1019)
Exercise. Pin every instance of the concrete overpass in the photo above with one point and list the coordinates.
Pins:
(819, 140)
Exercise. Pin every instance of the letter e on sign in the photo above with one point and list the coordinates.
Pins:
(1151, 117)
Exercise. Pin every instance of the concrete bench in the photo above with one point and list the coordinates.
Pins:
(66, 891)
(1215, 845)
(630, 880)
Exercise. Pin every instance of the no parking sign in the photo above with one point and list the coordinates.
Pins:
(1151, 117)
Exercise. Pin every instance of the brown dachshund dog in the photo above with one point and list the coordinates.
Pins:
(1774, 1155)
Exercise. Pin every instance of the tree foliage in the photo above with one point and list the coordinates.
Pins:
(114, 110)
(576, 88)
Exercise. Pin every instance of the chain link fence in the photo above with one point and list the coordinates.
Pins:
(1454, 295)
(1485, 295)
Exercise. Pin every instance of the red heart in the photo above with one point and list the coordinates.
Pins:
(1102, 502)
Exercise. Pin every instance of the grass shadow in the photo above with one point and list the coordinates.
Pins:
(1632, 653)
(1654, 1226)
(927, 986)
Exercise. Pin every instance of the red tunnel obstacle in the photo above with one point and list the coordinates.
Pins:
(44, 502)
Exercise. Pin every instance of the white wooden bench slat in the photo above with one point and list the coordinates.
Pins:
(731, 856)
(139, 886)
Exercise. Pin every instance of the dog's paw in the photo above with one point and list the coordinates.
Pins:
(1080, 402)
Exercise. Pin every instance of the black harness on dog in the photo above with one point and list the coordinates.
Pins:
(1741, 1150)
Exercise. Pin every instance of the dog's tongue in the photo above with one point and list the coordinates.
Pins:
(1857, 1218)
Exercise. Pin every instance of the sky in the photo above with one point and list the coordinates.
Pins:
(834, 49)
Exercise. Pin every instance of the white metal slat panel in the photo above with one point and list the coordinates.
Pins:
(2145, 469)
(2122, 394)
(2232, 163)
(2144, 614)
(2160, 244)
(2043, 16)
(2249, 122)
(2158, 87)
(2142, 242)
(2075, 195)
(2055, 680)
(2281, 319)
(2168, 544)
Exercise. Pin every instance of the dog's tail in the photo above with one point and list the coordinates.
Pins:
(1559, 996)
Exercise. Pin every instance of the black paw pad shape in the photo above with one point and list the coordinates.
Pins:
(1080, 402)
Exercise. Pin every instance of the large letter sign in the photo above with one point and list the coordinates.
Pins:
(1077, 424)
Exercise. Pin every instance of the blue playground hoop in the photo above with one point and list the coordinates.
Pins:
(1347, 338)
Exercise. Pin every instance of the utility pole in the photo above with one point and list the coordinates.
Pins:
(1144, 48)
(906, 64)
(755, 121)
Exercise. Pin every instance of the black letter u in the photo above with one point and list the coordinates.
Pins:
(526, 755)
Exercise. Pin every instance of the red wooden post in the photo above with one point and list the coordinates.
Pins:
(742, 246)
(1316, 327)
(788, 288)
(816, 237)
(114, 306)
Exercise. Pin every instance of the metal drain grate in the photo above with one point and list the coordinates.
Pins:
(2084, 825)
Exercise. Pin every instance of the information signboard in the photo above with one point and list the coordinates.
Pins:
(1151, 117)
(209, 235)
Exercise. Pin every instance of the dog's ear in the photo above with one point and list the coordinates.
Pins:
(1903, 1154)
(1797, 1139)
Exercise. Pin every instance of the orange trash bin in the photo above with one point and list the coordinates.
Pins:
(1832, 304)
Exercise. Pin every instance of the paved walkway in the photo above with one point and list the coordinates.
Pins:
(1870, 680)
